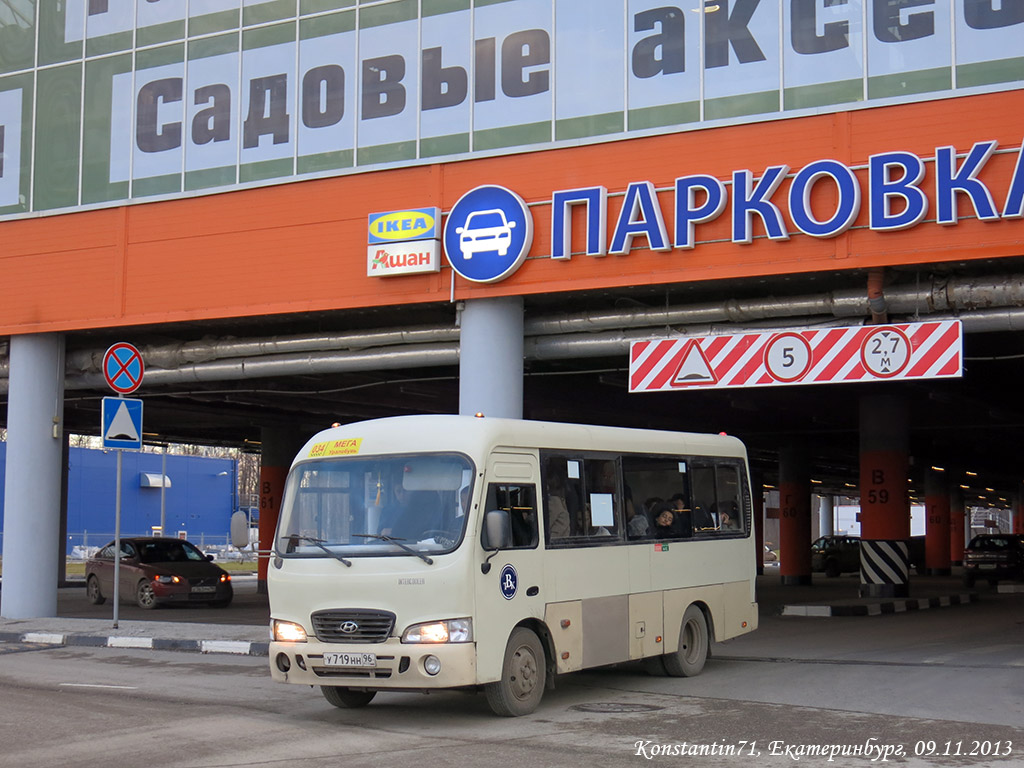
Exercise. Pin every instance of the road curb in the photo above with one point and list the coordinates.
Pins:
(234, 647)
(879, 607)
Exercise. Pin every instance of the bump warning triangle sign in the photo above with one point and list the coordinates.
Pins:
(694, 368)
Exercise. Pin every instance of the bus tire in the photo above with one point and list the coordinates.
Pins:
(523, 676)
(689, 660)
(346, 698)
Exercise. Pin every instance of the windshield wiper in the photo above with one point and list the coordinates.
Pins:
(320, 543)
(393, 540)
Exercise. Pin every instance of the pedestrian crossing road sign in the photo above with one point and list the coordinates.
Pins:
(121, 423)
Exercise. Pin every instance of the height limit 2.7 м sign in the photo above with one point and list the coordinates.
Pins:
(932, 350)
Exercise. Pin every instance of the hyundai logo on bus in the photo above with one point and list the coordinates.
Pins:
(509, 582)
(487, 234)
(403, 242)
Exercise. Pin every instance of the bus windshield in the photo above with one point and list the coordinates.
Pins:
(374, 506)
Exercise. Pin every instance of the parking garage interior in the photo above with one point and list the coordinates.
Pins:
(222, 382)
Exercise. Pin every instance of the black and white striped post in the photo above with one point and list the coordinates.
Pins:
(884, 568)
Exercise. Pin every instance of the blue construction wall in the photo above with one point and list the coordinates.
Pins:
(200, 500)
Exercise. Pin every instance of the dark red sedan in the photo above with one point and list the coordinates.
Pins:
(155, 571)
(994, 557)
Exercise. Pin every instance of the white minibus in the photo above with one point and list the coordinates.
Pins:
(422, 553)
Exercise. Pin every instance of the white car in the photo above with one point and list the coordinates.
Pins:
(485, 231)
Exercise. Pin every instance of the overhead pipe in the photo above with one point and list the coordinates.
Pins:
(172, 355)
(990, 304)
(876, 297)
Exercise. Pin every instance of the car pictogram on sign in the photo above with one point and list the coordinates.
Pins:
(487, 234)
(485, 231)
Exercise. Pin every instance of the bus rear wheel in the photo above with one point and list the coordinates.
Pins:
(689, 660)
(346, 698)
(523, 676)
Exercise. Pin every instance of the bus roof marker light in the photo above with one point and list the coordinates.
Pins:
(478, 415)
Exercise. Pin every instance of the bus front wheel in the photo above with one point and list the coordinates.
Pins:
(693, 645)
(523, 676)
(346, 698)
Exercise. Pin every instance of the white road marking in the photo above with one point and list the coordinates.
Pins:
(99, 685)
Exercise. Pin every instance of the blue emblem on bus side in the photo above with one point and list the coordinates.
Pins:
(487, 234)
(509, 582)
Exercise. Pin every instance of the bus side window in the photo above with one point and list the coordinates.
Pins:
(602, 497)
(562, 493)
(520, 501)
(703, 479)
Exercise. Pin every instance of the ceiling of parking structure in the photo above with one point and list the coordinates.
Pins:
(970, 423)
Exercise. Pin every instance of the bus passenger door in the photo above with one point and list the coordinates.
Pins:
(512, 590)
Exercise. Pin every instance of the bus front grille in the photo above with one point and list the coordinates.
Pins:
(353, 626)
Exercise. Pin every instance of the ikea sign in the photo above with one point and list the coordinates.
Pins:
(401, 226)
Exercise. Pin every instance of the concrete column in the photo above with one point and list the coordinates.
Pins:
(957, 527)
(35, 444)
(491, 357)
(884, 502)
(795, 515)
(826, 515)
(937, 544)
(279, 446)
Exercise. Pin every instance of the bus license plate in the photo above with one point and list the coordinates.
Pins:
(350, 659)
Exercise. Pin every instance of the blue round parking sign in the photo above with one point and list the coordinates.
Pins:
(487, 234)
(509, 582)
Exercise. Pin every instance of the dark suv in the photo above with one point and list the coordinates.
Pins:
(994, 556)
(835, 555)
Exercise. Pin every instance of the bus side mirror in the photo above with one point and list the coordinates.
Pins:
(497, 535)
(240, 530)
(497, 530)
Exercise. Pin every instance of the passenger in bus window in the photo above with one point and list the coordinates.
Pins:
(556, 507)
(728, 519)
(666, 524)
(638, 526)
(701, 517)
(397, 510)
(685, 515)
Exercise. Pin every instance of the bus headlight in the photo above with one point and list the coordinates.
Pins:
(287, 632)
(450, 631)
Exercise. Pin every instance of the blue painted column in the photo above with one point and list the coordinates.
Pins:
(32, 500)
(491, 357)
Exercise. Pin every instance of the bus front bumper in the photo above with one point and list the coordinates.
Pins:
(394, 665)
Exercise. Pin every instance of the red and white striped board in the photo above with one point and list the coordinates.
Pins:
(930, 350)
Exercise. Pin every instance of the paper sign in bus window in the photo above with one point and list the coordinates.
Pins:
(601, 509)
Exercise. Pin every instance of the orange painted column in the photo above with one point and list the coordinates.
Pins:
(957, 527)
(884, 503)
(794, 515)
(279, 448)
(937, 524)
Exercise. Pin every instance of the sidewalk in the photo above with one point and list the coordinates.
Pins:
(839, 596)
(150, 635)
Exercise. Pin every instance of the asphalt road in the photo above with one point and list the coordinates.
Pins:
(944, 683)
